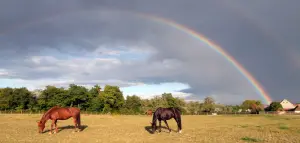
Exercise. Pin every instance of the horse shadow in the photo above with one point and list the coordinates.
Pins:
(69, 127)
(149, 129)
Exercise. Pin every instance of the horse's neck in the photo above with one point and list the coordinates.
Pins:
(154, 118)
(45, 118)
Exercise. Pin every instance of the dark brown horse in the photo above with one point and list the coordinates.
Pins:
(166, 114)
(59, 113)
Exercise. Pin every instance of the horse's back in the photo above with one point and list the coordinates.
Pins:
(64, 113)
(74, 109)
(165, 113)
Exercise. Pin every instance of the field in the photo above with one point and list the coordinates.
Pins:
(104, 128)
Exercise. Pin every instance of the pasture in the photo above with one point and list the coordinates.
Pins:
(120, 128)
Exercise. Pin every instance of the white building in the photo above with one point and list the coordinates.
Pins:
(287, 105)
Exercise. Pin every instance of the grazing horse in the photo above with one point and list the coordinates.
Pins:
(166, 114)
(59, 113)
(149, 112)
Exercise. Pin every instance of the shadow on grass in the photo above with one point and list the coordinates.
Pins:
(283, 127)
(248, 139)
(243, 126)
(149, 129)
(83, 127)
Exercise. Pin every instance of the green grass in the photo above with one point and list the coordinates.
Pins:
(244, 126)
(248, 139)
(283, 126)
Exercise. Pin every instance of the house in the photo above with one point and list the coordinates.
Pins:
(297, 109)
(297, 104)
(248, 110)
(287, 105)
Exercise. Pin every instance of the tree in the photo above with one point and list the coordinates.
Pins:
(146, 105)
(110, 100)
(7, 99)
(247, 104)
(156, 102)
(113, 99)
(255, 109)
(193, 107)
(21, 98)
(133, 104)
(52, 96)
(219, 108)
(170, 101)
(79, 96)
(209, 104)
(209, 100)
(94, 101)
(96, 104)
(94, 91)
(254, 105)
(275, 106)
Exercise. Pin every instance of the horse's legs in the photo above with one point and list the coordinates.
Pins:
(178, 121)
(159, 125)
(75, 123)
(78, 122)
(56, 128)
(167, 126)
(51, 127)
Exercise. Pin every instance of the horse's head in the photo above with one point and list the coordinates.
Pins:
(153, 125)
(41, 126)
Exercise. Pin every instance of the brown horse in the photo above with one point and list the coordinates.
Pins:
(149, 112)
(59, 113)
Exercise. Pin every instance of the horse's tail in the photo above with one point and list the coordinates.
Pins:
(178, 118)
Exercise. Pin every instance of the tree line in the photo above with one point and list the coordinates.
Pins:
(110, 100)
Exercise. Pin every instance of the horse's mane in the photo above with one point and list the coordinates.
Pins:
(176, 109)
(51, 109)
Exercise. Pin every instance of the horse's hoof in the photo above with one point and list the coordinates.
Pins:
(50, 133)
(180, 131)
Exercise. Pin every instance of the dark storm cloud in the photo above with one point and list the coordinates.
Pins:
(259, 35)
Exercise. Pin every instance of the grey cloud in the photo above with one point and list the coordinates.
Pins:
(260, 37)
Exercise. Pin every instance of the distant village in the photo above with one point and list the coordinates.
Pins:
(288, 106)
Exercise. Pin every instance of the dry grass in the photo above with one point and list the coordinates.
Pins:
(210, 129)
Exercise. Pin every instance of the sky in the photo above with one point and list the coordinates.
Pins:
(108, 42)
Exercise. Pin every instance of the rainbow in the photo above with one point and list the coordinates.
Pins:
(259, 88)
